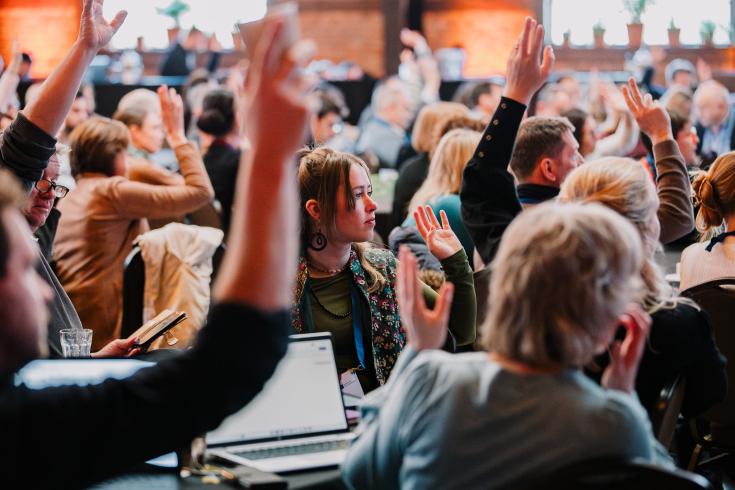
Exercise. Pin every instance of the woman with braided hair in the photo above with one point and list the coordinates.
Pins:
(714, 257)
(348, 288)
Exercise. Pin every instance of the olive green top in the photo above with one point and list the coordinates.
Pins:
(331, 305)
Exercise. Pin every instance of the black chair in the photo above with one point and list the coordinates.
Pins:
(665, 412)
(134, 285)
(618, 473)
(717, 298)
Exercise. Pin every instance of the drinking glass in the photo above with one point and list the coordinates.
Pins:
(76, 342)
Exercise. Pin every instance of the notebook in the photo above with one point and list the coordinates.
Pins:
(297, 422)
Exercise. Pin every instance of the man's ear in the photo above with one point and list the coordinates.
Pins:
(312, 207)
(548, 171)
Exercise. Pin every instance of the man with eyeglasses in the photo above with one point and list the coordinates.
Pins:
(39, 206)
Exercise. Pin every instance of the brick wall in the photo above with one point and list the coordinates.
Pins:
(347, 34)
(487, 36)
(44, 28)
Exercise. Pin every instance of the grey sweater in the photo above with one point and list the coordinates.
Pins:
(461, 421)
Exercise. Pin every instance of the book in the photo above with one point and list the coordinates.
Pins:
(157, 326)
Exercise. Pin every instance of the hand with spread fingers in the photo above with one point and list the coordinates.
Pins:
(527, 70)
(440, 238)
(625, 355)
(650, 115)
(94, 31)
(425, 328)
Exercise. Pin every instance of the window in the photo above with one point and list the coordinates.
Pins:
(578, 16)
(218, 16)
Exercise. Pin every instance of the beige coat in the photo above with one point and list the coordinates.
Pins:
(99, 221)
(178, 272)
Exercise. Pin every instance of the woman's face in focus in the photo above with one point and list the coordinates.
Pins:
(357, 224)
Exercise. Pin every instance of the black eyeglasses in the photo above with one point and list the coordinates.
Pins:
(45, 185)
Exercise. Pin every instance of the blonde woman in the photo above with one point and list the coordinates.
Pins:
(525, 408)
(713, 258)
(442, 184)
(424, 139)
(681, 341)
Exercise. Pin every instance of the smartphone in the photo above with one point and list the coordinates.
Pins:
(251, 32)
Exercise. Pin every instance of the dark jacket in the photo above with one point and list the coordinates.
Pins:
(410, 236)
(490, 200)
(71, 437)
(222, 162)
(25, 149)
(410, 177)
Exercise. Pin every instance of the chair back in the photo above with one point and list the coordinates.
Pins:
(717, 299)
(134, 285)
(666, 411)
(208, 215)
(617, 473)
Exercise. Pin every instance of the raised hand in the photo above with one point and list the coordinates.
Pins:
(650, 115)
(414, 40)
(94, 31)
(276, 92)
(172, 115)
(16, 57)
(527, 70)
(425, 328)
(625, 355)
(440, 239)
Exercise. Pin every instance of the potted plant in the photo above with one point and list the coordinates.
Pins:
(175, 10)
(567, 36)
(674, 32)
(707, 32)
(598, 31)
(636, 8)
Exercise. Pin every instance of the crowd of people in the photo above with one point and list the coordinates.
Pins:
(558, 194)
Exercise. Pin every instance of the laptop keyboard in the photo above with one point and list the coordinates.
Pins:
(277, 452)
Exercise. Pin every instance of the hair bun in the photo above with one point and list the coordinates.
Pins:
(710, 214)
(214, 122)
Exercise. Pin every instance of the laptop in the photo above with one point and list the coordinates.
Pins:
(297, 422)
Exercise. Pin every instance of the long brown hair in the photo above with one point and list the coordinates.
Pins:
(321, 172)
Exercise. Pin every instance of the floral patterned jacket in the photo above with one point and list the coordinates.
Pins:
(388, 337)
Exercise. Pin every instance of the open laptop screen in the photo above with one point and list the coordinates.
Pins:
(302, 398)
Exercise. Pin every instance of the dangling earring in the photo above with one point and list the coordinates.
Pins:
(318, 240)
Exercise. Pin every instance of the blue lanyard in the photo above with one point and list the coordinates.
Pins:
(357, 326)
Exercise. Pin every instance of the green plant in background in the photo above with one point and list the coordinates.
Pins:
(672, 25)
(175, 10)
(636, 8)
(598, 28)
(707, 31)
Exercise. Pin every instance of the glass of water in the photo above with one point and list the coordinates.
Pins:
(76, 342)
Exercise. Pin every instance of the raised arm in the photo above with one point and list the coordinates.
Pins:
(58, 91)
(445, 246)
(10, 78)
(675, 210)
(118, 423)
(489, 200)
(145, 200)
(29, 142)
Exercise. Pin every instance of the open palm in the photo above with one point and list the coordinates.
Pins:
(440, 239)
(94, 31)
